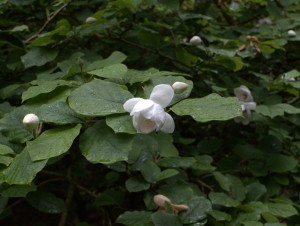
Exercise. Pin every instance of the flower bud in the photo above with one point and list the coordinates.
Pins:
(160, 200)
(90, 20)
(292, 33)
(179, 87)
(196, 40)
(31, 122)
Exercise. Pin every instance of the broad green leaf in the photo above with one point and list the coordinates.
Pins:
(6, 155)
(135, 218)
(99, 98)
(198, 210)
(179, 192)
(45, 202)
(99, 144)
(211, 107)
(115, 58)
(232, 63)
(38, 56)
(282, 209)
(166, 174)
(22, 170)
(252, 223)
(18, 190)
(166, 147)
(276, 110)
(179, 161)
(110, 197)
(134, 76)
(219, 216)
(52, 143)
(222, 199)
(186, 58)
(5, 150)
(165, 219)
(121, 123)
(280, 163)
(115, 71)
(203, 163)
(150, 171)
(58, 113)
(223, 181)
(135, 184)
(21, 2)
(255, 191)
(275, 224)
(44, 87)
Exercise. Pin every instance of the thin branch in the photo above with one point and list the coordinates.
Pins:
(69, 198)
(203, 184)
(78, 186)
(46, 23)
(228, 18)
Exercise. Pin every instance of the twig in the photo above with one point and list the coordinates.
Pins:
(46, 23)
(204, 184)
(229, 20)
(69, 198)
(78, 186)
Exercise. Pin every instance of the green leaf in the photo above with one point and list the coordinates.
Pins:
(255, 191)
(52, 143)
(219, 216)
(276, 110)
(110, 197)
(185, 57)
(135, 218)
(166, 174)
(280, 163)
(179, 161)
(232, 63)
(22, 170)
(252, 223)
(282, 209)
(165, 219)
(134, 184)
(99, 98)
(99, 144)
(45, 202)
(198, 210)
(150, 171)
(115, 58)
(5, 150)
(211, 107)
(58, 113)
(18, 190)
(38, 56)
(115, 71)
(42, 87)
(222, 199)
(121, 123)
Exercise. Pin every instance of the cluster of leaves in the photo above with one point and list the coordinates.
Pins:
(75, 63)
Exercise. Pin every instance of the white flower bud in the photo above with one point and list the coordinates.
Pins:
(179, 87)
(292, 33)
(90, 19)
(160, 200)
(31, 122)
(196, 40)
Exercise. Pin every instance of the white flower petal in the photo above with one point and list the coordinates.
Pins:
(243, 94)
(156, 113)
(169, 125)
(142, 105)
(143, 125)
(129, 104)
(162, 94)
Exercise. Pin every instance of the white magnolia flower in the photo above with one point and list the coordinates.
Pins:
(247, 103)
(179, 87)
(149, 114)
(196, 40)
(292, 33)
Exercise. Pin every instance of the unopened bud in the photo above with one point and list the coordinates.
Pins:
(179, 87)
(90, 19)
(196, 40)
(160, 200)
(292, 33)
(31, 122)
(179, 208)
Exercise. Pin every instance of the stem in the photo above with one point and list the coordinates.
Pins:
(69, 198)
(46, 23)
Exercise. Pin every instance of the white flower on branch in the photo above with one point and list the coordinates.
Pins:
(292, 33)
(196, 40)
(245, 97)
(149, 114)
(32, 123)
(179, 87)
